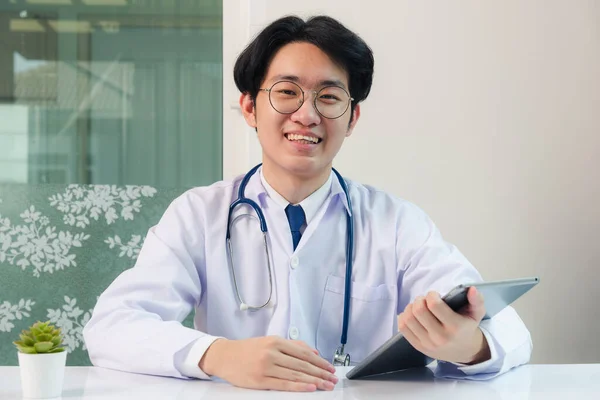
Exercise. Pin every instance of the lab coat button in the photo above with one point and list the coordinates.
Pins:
(294, 262)
(294, 333)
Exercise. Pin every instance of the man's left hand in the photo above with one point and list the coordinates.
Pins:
(431, 327)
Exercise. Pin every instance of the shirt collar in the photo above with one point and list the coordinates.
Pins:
(310, 205)
(257, 189)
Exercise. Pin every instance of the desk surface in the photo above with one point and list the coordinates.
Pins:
(527, 382)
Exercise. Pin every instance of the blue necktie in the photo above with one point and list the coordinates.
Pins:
(296, 218)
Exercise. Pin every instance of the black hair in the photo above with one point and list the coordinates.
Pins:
(342, 45)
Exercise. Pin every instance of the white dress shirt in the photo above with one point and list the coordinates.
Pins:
(398, 255)
(310, 205)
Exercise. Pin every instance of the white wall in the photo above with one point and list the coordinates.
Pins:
(486, 115)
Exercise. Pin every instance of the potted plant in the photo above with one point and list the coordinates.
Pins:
(42, 361)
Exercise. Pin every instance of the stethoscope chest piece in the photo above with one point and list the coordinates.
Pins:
(340, 358)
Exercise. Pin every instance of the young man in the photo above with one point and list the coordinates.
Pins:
(301, 84)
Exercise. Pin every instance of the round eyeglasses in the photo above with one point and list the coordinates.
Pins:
(287, 97)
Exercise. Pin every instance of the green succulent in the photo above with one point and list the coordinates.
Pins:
(40, 338)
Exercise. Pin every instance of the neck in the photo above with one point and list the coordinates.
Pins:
(293, 188)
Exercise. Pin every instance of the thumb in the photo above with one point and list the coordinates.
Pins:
(476, 309)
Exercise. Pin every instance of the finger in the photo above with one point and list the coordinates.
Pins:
(415, 326)
(441, 310)
(404, 316)
(305, 367)
(301, 343)
(475, 297)
(305, 353)
(286, 386)
(404, 320)
(426, 318)
(476, 309)
(297, 376)
(411, 337)
(401, 322)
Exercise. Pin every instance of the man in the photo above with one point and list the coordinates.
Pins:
(301, 84)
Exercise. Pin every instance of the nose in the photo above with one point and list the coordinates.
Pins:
(307, 115)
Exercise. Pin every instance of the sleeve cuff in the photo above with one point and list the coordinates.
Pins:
(510, 346)
(484, 366)
(482, 371)
(187, 359)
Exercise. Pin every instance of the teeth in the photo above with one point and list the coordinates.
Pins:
(302, 137)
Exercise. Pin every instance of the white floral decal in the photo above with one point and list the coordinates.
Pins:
(80, 203)
(71, 326)
(32, 244)
(131, 249)
(9, 312)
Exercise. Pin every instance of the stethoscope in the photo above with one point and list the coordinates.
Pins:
(339, 357)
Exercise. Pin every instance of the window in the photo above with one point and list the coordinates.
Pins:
(111, 92)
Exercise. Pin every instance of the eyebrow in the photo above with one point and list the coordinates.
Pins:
(294, 78)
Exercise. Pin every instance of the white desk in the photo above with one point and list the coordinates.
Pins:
(527, 382)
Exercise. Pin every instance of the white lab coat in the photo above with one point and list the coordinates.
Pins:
(183, 265)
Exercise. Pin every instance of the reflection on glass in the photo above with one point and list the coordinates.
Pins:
(111, 92)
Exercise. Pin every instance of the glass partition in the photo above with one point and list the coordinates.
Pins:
(111, 91)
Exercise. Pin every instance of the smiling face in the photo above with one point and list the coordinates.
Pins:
(302, 143)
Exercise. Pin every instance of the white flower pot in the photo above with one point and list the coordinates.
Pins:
(42, 375)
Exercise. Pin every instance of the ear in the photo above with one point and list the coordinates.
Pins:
(354, 120)
(248, 109)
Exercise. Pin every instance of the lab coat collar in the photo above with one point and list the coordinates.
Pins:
(255, 189)
(337, 190)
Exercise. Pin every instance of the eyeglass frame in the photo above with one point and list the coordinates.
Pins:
(315, 92)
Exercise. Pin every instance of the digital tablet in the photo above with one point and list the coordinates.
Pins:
(397, 353)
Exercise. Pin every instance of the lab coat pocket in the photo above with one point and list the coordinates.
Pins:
(372, 318)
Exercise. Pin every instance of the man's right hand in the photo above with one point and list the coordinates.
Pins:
(268, 363)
